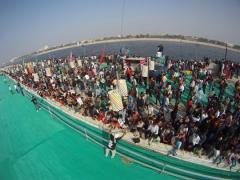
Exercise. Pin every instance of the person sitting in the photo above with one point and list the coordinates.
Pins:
(176, 145)
(136, 136)
(153, 130)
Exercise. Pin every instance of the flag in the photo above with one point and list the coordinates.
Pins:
(48, 72)
(123, 87)
(144, 71)
(35, 77)
(227, 71)
(71, 56)
(116, 100)
(102, 57)
(29, 68)
(151, 65)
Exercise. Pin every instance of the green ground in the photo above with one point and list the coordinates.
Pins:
(35, 146)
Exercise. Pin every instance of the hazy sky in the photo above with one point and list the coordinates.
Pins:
(28, 25)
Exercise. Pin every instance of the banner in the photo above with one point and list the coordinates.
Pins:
(116, 100)
(122, 85)
(151, 65)
(48, 72)
(144, 71)
(35, 77)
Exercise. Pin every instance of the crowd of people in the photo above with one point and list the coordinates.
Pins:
(185, 104)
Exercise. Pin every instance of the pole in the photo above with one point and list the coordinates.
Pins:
(117, 80)
(122, 20)
(226, 53)
(122, 17)
(195, 51)
(148, 73)
(84, 51)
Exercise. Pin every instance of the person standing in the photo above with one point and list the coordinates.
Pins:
(10, 89)
(114, 138)
(20, 88)
(36, 104)
(16, 88)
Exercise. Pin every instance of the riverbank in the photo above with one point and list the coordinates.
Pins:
(138, 39)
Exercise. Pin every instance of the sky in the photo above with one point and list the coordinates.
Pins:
(28, 25)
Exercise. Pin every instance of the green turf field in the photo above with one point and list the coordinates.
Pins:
(33, 145)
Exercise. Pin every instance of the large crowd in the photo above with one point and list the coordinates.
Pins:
(185, 104)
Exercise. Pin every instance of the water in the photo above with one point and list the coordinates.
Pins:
(148, 48)
(33, 145)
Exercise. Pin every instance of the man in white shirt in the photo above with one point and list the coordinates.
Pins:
(153, 130)
(195, 139)
(166, 109)
(80, 103)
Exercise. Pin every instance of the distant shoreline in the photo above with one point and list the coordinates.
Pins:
(136, 39)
